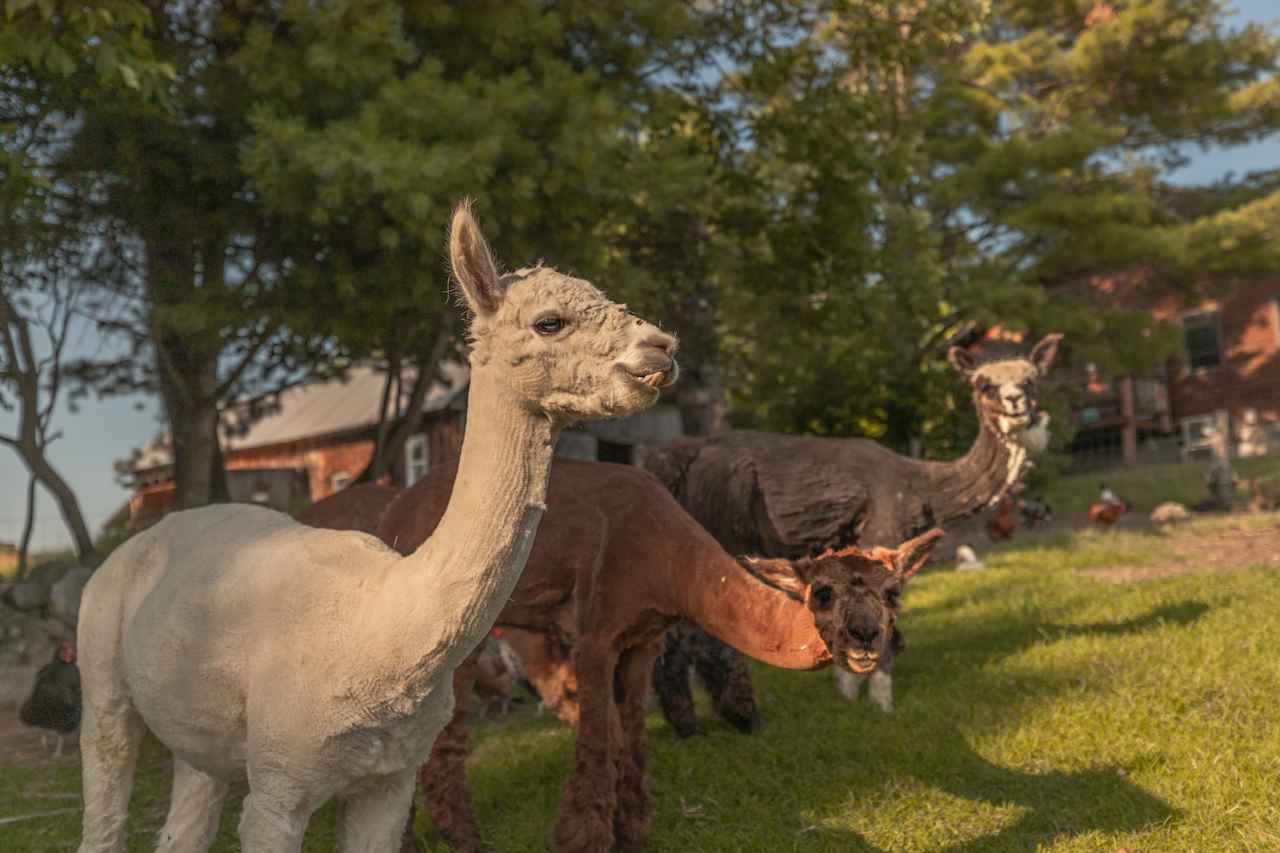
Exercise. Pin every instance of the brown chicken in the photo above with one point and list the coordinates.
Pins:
(1002, 525)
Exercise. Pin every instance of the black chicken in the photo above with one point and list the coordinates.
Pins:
(54, 702)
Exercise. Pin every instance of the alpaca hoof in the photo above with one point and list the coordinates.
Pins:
(685, 728)
(411, 844)
(748, 725)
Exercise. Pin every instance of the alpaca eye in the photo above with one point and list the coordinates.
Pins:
(549, 325)
(822, 597)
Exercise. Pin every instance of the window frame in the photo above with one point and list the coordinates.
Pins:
(1206, 318)
(417, 441)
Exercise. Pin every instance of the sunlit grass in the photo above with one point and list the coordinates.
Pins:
(1038, 709)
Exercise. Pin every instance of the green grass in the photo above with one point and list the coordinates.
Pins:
(1149, 485)
(1038, 709)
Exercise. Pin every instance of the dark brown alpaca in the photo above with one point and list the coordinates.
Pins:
(791, 495)
(616, 561)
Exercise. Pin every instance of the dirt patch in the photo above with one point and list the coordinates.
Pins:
(20, 744)
(1225, 550)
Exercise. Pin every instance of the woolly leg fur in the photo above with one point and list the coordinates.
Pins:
(631, 821)
(111, 730)
(671, 683)
(585, 821)
(372, 819)
(195, 805)
(445, 790)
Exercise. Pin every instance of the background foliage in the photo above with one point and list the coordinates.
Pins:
(818, 195)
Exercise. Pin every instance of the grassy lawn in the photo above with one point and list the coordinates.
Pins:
(1048, 703)
(1149, 485)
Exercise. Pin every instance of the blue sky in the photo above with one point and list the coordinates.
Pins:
(103, 431)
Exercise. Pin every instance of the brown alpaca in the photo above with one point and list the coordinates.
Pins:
(615, 562)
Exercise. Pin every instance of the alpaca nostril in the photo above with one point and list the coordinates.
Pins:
(865, 634)
(662, 342)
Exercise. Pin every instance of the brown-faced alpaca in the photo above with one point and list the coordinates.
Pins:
(615, 562)
(319, 663)
(791, 495)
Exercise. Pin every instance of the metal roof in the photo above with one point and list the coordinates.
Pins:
(311, 410)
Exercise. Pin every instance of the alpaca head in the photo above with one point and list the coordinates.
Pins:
(1005, 391)
(852, 594)
(562, 348)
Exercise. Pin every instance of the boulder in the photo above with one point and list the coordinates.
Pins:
(47, 574)
(64, 597)
(27, 596)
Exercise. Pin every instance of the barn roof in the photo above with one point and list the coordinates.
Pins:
(311, 410)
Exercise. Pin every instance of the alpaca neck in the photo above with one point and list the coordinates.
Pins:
(451, 589)
(990, 468)
(738, 608)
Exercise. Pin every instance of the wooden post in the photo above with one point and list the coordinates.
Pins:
(1130, 434)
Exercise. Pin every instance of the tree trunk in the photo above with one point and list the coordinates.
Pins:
(29, 443)
(193, 417)
(62, 493)
(700, 396)
(410, 422)
(219, 488)
(24, 546)
(186, 355)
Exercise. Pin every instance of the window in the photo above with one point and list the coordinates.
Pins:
(339, 480)
(416, 459)
(1275, 317)
(1202, 339)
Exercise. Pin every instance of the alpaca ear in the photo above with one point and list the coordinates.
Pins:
(962, 360)
(910, 556)
(1042, 354)
(782, 575)
(471, 262)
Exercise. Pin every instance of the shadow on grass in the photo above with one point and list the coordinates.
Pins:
(1180, 613)
(818, 753)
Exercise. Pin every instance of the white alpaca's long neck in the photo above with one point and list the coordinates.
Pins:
(456, 583)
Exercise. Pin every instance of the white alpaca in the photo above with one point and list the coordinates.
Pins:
(319, 663)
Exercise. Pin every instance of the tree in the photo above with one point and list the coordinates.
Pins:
(913, 167)
(279, 205)
(31, 381)
(52, 56)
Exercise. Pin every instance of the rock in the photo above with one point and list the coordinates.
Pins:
(27, 595)
(47, 574)
(1168, 512)
(64, 597)
(16, 681)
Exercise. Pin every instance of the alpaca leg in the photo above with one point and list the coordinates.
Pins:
(373, 819)
(880, 690)
(585, 820)
(671, 683)
(445, 790)
(848, 683)
(274, 817)
(631, 823)
(727, 677)
(195, 805)
(110, 739)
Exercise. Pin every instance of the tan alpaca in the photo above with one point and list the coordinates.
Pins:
(615, 562)
(319, 663)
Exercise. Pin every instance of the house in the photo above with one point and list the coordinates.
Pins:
(1225, 381)
(313, 439)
